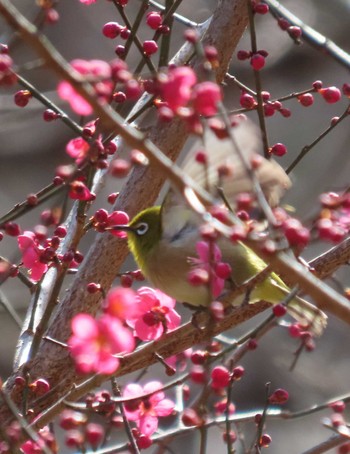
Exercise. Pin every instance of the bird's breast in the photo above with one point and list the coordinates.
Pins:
(167, 268)
(169, 263)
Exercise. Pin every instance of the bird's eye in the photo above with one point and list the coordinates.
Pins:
(141, 228)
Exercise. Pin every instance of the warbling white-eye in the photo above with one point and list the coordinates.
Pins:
(163, 238)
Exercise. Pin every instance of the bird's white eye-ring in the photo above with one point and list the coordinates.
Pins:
(142, 228)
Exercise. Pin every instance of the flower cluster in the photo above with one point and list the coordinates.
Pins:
(183, 95)
(103, 77)
(102, 220)
(334, 219)
(96, 343)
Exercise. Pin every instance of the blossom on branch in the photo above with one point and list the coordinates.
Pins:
(121, 303)
(179, 89)
(206, 97)
(31, 254)
(176, 87)
(77, 149)
(79, 191)
(145, 411)
(94, 343)
(155, 314)
(98, 73)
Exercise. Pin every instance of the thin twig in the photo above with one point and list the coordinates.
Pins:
(310, 35)
(24, 207)
(27, 429)
(116, 392)
(307, 148)
(133, 35)
(258, 84)
(325, 446)
(51, 105)
(10, 310)
(181, 19)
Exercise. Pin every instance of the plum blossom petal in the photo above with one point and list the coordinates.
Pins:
(147, 332)
(118, 218)
(94, 342)
(206, 97)
(164, 407)
(103, 86)
(209, 263)
(77, 148)
(145, 411)
(121, 303)
(148, 424)
(78, 104)
(177, 87)
(155, 313)
(31, 252)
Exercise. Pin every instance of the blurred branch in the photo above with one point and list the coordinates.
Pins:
(181, 19)
(325, 446)
(50, 105)
(310, 35)
(9, 309)
(307, 148)
(258, 81)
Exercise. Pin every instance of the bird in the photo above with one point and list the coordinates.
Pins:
(164, 239)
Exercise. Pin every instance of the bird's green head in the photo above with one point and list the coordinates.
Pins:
(144, 232)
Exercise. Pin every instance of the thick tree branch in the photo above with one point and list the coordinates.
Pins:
(331, 260)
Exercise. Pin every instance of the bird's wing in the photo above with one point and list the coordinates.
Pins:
(177, 215)
(223, 153)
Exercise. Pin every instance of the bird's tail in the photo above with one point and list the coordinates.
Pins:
(308, 315)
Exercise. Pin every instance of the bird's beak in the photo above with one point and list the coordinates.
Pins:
(121, 228)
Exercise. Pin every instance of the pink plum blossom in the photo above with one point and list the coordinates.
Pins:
(206, 97)
(79, 191)
(45, 442)
(31, 253)
(117, 218)
(155, 314)
(88, 2)
(103, 220)
(209, 262)
(176, 89)
(94, 342)
(145, 411)
(99, 73)
(77, 149)
(121, 303)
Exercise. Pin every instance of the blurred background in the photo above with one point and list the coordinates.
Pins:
(30, 150)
